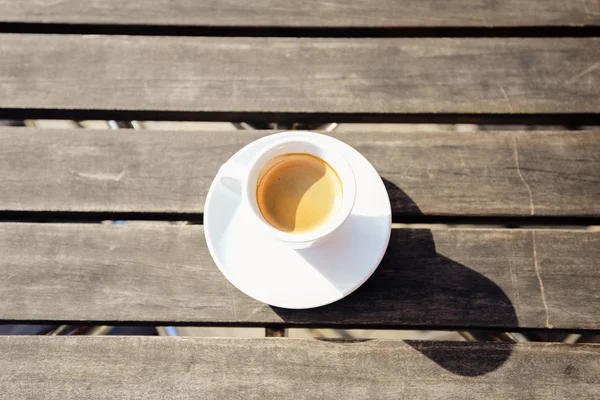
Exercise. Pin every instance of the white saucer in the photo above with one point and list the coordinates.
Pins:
(288, 278)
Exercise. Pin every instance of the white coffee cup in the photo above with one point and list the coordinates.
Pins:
(245, 177)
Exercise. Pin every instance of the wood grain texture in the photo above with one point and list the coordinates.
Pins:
(437, 173)
(191, 368)
(315, 13)
(440, 278)
(301, 75)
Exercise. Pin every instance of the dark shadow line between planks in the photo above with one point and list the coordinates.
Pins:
(572, 121)
(282, 31)
(509, 221)
(279, 325)
(95, 217)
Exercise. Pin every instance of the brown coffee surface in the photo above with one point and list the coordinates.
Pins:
(297, 193)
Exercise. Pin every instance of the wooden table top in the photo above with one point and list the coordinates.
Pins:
(490, 227)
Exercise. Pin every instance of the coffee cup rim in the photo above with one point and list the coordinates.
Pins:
(327, 153)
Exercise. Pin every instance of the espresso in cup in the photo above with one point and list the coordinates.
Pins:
(298, 192)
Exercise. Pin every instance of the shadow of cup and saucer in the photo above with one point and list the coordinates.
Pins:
(416, 287)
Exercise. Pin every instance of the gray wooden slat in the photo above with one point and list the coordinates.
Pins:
(437, 173)
(506, 279)
(277, 13)
(191, 368)
(300, 75)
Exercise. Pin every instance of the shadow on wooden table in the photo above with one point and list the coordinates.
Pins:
(415, 287)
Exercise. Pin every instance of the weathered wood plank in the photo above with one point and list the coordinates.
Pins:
(300, 75)
(440, 278)
(190, 368)
(441, 173)
(296, 13)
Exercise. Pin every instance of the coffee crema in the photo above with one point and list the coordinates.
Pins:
(298, 193)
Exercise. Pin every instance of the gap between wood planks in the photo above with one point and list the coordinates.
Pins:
(279, 31)
(571, 121)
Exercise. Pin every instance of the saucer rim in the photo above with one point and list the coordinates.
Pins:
(211, 247)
